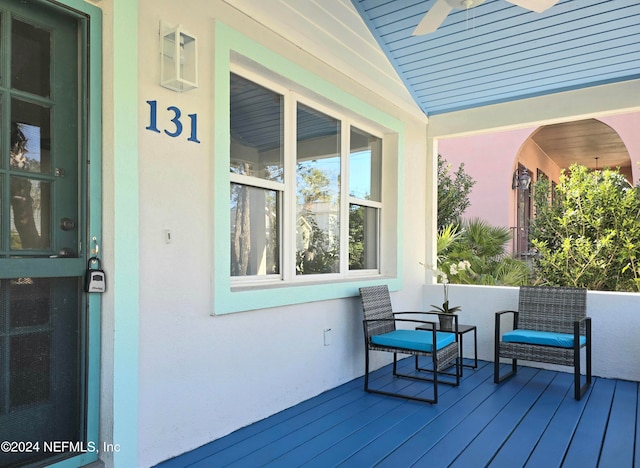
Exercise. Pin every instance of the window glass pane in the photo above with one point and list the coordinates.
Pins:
(30, 213)
(30, 58)
(365, 165)
(256, 130)
(317, 193)
(30, 137)
(363, 238)
(254, 231)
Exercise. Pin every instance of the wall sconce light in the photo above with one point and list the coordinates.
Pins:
(178, 58)
(521, 180)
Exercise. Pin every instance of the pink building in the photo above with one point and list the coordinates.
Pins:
(496, 160)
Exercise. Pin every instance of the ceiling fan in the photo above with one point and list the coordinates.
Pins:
(439, 11)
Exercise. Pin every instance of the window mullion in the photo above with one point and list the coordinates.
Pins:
(255, 182)
(288, 244)
(364, 202)
(344, 197)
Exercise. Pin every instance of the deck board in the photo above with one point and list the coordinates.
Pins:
(636, 455)
(586, 444)
(553, 444)
(460, 437)
(255, 429)
(266, 445)
(401, 437)
(372, 444)
(517, 448)
(617, 449)
(529, 420)
(488, 441)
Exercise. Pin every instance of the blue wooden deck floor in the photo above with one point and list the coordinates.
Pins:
(530, 420)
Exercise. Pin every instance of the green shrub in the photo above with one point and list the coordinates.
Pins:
(453, 193)
(484, 247)
(588, 233)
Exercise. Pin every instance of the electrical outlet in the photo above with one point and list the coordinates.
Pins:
(327, 336)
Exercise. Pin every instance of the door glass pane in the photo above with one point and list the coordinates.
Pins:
(30, 213)
(317, 193)
(30, 58)
(29, 368)
(29, 302)
(363, 237)
(30, 137)
(257, 134)
(365, 165)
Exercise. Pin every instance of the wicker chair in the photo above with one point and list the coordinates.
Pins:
(550, 326)
(380, 334)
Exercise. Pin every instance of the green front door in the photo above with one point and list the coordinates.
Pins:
(43, 241)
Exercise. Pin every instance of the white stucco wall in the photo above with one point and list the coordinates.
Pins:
(203, 376)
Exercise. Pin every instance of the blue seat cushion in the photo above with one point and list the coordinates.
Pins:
(558, 340)
(413, 339)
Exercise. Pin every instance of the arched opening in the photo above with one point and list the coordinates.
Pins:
(552, 148)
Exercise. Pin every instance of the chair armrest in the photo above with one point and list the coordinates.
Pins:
(427, 312)
(432, 312)
(584, 319)
(415, 321)
(423, 322)
(576, 329)
(499, 315)
(398, 320)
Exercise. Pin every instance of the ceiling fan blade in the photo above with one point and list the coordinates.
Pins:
(534, 5)
(433, 19)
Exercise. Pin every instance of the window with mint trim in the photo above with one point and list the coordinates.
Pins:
(305, 187)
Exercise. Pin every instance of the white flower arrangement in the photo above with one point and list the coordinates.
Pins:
(454, 269)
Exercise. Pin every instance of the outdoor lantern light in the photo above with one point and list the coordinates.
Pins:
(178, 59)
(521, 181)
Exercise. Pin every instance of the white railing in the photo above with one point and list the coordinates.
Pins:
(615, 322)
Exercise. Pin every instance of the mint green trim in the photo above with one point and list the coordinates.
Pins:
(225, 301)
(125, 269)
(95, 218)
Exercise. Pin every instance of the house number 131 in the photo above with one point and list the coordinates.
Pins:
(178, 127)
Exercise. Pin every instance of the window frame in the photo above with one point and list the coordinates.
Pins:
(287, 190)
(236, 52)
(264, 184)
(367, 203)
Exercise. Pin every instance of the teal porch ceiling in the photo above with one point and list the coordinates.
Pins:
(499, 52)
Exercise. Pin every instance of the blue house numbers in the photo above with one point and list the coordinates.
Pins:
(176, 118)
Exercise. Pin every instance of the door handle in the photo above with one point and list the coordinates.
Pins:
(67, 224)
